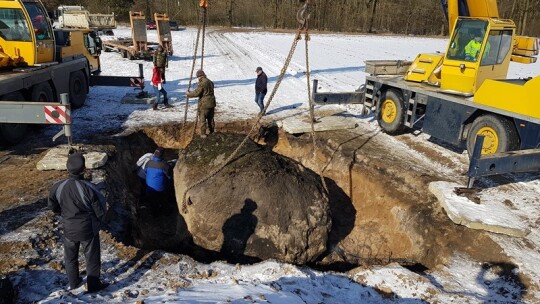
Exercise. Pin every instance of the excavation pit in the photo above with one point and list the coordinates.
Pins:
(381, 210)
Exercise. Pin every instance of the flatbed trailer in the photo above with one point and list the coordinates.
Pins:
(125, 47)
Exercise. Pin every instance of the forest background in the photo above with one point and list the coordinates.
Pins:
(408, 17)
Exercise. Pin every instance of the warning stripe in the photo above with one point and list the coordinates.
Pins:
(136, 82)
(57, 115)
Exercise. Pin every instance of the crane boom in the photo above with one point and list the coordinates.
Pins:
(468, 8)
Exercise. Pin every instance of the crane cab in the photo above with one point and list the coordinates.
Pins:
(479, 49)
(26, 35)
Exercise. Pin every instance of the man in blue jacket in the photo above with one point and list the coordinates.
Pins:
(82, 208)
(260, 88)
(157, 179)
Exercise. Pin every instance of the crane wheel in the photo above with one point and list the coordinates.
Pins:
(391, 112)
(42, 92)
(78, 89)
(13, 133)
(500, 134)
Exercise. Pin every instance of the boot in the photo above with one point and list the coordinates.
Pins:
(166, 103)
(154, 106)
(95, 285)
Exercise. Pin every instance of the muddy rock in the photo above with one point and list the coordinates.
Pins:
(260, 206)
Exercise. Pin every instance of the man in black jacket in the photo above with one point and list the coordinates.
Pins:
(260, 88)
(82, 208)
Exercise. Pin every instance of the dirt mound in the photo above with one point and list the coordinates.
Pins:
(261, 205)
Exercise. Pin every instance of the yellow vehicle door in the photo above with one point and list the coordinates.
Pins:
(42, 32)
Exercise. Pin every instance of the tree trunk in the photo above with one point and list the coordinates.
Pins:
(525, 14)
(230, 6)
(373, 10)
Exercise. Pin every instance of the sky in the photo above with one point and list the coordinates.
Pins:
(338, 62)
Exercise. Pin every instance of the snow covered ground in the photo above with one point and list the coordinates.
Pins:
(230, 61)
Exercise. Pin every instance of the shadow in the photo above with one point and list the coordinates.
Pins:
(28, 290)
(500, 280)
(284, 108)
(137, 266)
(310, 287)
(343, 216)
(182, 58)
(12, 219)
(251, 81)
(236, 232)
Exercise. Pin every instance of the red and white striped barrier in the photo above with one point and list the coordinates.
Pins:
(57, 115)
(136, 82)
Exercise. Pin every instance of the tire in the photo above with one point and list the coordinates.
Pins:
(42, 92)
(391, 112)
(124, 54)
(78, 89)
(13, 133)
(500, 134)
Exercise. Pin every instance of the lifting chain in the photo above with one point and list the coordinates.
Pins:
(303, 28)
(203, 4)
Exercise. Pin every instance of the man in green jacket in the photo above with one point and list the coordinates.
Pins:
(160, 61)
(207, 102)
(472, 49)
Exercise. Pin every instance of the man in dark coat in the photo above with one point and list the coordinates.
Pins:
(157, 179)
(207, 102)
(160, 62)
(260, 88)
(82, 208)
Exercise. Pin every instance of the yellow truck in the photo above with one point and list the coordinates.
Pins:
(457, 95)
(39, 63)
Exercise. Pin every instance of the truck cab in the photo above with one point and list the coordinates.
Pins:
(26, 34)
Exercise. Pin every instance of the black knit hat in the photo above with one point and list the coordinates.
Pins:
(75, 163)
(200, 73)
(159, 152)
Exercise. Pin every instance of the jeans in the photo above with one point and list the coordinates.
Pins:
(158, 95)
(92, 256)
(259, 99)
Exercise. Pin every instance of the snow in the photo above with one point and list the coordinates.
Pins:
(337, 61)
(489, 215)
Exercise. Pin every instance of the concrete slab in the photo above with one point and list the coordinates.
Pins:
(56, 159)
(488, 215)
(297, 125)
(132, 98)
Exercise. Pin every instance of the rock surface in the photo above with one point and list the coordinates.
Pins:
(56, 159)
(261, 205)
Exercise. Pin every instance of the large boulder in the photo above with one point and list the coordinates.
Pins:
(261, 205)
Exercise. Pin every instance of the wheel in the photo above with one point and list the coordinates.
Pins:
(13, 133)
(42, 92)
(500, 134)
(124, 54)
(390, 114)
(78, 89)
